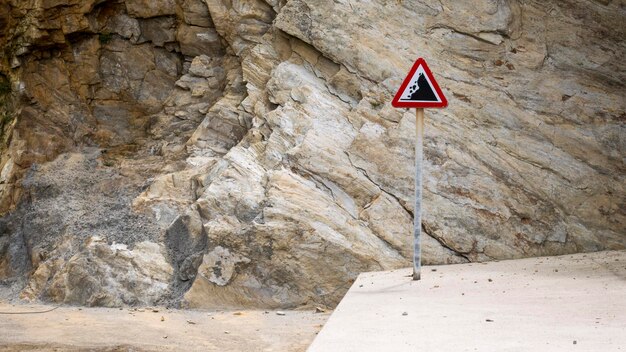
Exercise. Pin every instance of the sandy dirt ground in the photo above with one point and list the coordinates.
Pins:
(566, 303)
(159, 329)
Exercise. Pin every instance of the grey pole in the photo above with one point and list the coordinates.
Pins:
(417, 221)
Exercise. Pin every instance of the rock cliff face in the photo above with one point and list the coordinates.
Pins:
(224, 153)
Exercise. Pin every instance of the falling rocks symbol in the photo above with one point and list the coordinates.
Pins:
(420, 90)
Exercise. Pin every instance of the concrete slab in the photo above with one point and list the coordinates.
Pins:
(566, 303)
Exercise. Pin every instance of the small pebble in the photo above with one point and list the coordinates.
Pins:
(489, 320)
(162, 318)
(575, 342)
(405, 313)
(280, 313)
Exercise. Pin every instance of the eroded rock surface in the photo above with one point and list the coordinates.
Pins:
(245, 153)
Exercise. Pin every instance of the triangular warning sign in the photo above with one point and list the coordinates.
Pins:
(419, 89)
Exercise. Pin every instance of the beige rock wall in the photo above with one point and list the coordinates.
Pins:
(255, 143)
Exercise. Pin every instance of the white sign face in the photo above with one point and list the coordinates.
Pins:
(420, 89)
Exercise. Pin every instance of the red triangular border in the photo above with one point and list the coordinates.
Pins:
(408, 104)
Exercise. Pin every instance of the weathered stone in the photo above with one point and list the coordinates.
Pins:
(218, 266)
(202, 66)
(150, 8)
(196, 41)
(242, 24)
(262, 160)
(159, 30)
(196, 13)
(123, 25)
(105, 275)
(190, 82)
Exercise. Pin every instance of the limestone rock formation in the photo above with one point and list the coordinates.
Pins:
(244, 153)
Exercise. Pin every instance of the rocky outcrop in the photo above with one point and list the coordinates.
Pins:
(247, 155)
(105, 275)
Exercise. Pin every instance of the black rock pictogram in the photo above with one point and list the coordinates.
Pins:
(420, 90)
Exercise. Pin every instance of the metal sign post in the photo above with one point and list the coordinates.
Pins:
(419, 90)
(417, 212)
